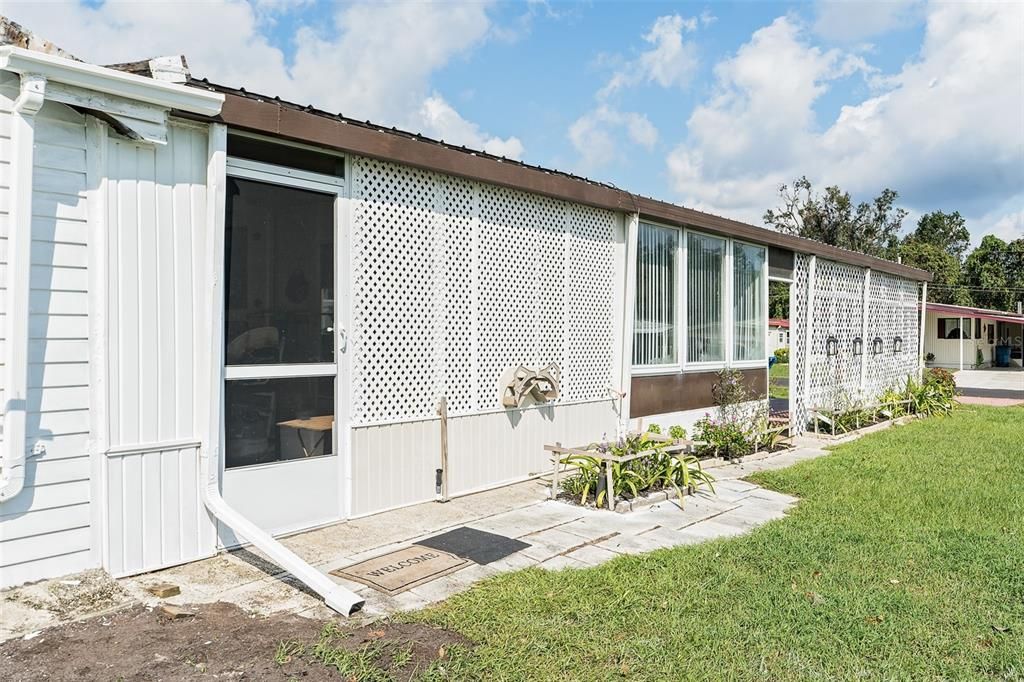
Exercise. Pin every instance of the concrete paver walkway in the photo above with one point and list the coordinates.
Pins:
(560, 535)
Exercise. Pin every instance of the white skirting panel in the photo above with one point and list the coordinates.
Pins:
(155, 516)
(394, 465)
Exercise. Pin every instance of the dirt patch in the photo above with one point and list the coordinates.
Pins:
(222, 641)
(83, 594)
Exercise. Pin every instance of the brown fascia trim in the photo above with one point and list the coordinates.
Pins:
(276, 118)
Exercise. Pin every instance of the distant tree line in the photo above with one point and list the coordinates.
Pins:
(990, 276)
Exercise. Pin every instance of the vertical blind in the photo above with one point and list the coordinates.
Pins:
(654, 328)
(705, 307)
(749, 323)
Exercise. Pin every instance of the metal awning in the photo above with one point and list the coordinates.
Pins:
(964, 311)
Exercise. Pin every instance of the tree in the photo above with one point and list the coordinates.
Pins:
(778, 300)
(948, 231)
(869, 227)
(938, 245)
(994, 272)
(946, 287)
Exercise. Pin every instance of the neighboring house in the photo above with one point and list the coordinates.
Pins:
(778, 334)
(962, 337)
(229, 317)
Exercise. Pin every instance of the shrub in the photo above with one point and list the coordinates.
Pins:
(655, 471)
(677, 432)
(725, 437)
(782, 354)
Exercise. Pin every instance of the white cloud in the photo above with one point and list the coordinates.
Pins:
(851, 21)
(595, 135)
(671, 61)
(369, 61)
(1009, 226)
(945, 131)
(443, 122)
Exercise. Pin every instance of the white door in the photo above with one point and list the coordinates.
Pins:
(282, 346)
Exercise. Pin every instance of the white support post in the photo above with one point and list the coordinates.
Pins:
(960, 336)
(628, 305)
(809, 331)
(19, 263)
(864, 331)
(921, 331)
(99, 395)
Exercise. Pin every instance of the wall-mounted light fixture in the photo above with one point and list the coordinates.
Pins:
(831, 346)
(858, 346)
(897, 344)
(877, 346)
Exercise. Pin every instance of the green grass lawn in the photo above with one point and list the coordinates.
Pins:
(903, 560)
(779, 370)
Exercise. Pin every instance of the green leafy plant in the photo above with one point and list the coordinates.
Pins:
(782, 354)
(652, 469)
(677, 432)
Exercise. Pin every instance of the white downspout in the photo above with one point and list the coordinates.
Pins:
(335, 596)
(19, 260)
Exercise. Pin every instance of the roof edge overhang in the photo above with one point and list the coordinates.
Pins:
(110, 81)
(968, 311)
(276, 118)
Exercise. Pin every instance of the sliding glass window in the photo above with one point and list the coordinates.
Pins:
(748, 295)
(705, 298)
(655, 328)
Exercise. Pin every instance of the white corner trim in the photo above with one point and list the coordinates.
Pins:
(110, 81)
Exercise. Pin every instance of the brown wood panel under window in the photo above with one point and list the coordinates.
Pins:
(677, 392)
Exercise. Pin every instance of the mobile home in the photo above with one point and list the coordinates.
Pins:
(227, 317)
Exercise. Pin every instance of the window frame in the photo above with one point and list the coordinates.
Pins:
(684, 364)
(726, 307)
(759, 362)
(337, 187)
(680, 311)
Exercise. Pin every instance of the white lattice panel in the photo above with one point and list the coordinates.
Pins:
(589, 355)
(838, 313)
(456, 282)
(835, 308)
(893, 312)
(394, 309)
(798, 308)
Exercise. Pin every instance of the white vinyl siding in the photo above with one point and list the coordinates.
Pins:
(749, 293)
(655, 327)
(45, 530)
(156, 221)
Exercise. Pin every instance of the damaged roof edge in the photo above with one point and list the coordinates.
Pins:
(275, 117)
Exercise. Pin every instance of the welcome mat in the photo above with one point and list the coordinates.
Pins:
(402, 569)
(476, 545)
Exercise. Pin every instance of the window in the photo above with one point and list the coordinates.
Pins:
(949, 328)
(991, 333)
(977, 328)
(749, 296)
(274, 420)
(655, 319)
(280, 274)
(705, 298)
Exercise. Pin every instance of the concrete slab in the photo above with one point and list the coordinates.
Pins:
(561, 535)
(592, 555)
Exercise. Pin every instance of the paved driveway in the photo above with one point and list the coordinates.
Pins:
(991, 383)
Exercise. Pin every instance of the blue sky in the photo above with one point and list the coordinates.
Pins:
(710, 104)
